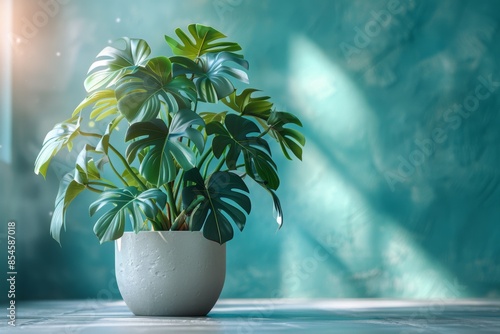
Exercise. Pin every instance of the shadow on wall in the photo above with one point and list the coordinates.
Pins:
(401, 154)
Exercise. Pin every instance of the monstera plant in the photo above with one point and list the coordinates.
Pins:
(171, 141)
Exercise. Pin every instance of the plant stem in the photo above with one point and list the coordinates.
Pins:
(265, 131)
(179, 185)
(96, 135)
(220, 164)
(95, 190)
(171, 199)
(117, 174)
(205, 170)
(102, 184)
(181, 219)
(204, 157)
(127, 166)
(89, 134)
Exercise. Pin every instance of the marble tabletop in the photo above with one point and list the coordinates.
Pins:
(265, 316)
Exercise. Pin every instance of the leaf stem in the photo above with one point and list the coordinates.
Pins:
(265, 131)
(95, 190)
(96, 135)
(181, 219)
(204, 157)
(117, 174)
(127, 166)
(171, 199)
(220, 164)
(102, 184)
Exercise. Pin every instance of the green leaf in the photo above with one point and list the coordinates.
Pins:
(82, 172)
(123, 203)
(158, 166)
(104, 102)
(203, 41)
(224, 201)
(209, 117)
(211, 73)
(235, 138)
(68, 191)
(247, 105)
(112, 63)
(141, 93)
(289, 139)
(62, 135)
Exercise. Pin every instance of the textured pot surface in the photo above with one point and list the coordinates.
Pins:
(169, 273)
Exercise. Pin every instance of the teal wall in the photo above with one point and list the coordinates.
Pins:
(398, 192)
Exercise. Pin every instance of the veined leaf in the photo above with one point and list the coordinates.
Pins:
(68, 191)
(104, 102)
(211, 73)
(203, 41)
(289, 139)
(112, 63)
(158, 166)
(217, 209)
(247, 105)
(125, 202)
(236, 136)
(62, 135)
(139, 94)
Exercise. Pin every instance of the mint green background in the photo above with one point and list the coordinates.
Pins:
(397, 194)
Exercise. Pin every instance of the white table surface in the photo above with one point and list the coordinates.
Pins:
(265, 316)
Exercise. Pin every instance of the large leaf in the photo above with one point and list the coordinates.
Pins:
(236, 138)
(289, 139)
(125, 202)
(247, 105)
(62, 135)
(68, 190)
(104, 102)
(140, 94)
(158, 166)
(112, 63)
(211, 73)
(203, 41)
(224, 200)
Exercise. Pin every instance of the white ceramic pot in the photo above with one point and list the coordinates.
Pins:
(169, 273)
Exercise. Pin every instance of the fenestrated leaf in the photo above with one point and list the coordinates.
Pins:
(62, 135)
(235, 138)
(140, 94)
(68, 190)
(224, 201)
(211, 73)
(158, 166)
(203, 41)
(127, 202)
(289, 139)
(247, 105)
(112, 63)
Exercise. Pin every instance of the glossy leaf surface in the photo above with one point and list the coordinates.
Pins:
(220, 194)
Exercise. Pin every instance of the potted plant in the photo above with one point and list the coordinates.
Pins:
(178, 166)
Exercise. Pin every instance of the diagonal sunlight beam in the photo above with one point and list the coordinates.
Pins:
(348, 248)
(5, 81)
